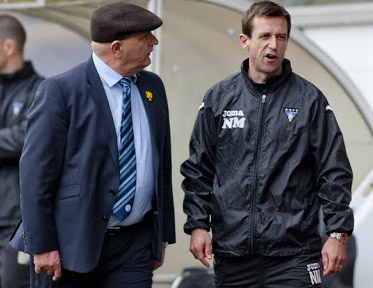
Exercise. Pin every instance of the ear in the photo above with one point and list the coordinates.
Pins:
(116, 48)
(9, 47)
(245, 41)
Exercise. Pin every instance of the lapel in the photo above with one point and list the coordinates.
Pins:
(145, 87)
(97, 93)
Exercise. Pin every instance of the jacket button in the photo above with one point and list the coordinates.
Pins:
(112, 191)
(104, 218)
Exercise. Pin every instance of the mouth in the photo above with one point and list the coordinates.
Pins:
(270, 56)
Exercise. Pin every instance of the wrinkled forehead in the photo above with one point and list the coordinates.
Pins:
(273, 25)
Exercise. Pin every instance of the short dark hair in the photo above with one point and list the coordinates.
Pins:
(263, 9)
(10, 27)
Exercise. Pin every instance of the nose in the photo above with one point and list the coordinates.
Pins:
(152, 40)
(273, 42)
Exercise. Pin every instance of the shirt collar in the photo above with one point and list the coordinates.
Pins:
(110, 76)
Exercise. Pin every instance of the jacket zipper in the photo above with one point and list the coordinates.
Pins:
(257, 156)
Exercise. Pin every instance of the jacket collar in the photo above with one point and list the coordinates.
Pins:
(272, 82)
(25, 72)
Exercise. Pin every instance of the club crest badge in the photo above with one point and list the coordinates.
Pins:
(291, 113)
(17, 108)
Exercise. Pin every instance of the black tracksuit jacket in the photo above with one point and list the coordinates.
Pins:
(17, 91)
(263, 160)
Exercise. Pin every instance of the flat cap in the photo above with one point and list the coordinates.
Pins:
(117, 20)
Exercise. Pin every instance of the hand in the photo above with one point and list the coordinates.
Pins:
(158, 264)
(200, 245)
(48, 262)
(333, 256)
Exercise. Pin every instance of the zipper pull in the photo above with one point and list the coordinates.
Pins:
(264, 98)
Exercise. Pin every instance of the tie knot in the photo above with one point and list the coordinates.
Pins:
(125, 83)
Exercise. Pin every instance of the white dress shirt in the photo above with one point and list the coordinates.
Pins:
(144, 158)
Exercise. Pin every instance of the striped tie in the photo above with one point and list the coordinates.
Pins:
(127, 157)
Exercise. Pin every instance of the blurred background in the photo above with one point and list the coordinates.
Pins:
(331, 45)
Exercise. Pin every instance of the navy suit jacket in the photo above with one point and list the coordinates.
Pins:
(69, 167)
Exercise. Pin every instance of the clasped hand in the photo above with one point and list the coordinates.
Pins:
(48, 262)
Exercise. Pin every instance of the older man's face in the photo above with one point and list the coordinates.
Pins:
(136, 50)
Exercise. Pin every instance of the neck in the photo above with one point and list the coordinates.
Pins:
(13, 65)
(259, 78)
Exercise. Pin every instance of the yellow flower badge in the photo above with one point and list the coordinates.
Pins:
(149, 95)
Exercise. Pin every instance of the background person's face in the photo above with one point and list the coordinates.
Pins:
(3, 58)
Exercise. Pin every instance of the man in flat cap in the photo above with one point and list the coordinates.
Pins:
(95, 171)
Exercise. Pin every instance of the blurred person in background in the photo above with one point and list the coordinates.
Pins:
(18, 83)
(265, 153)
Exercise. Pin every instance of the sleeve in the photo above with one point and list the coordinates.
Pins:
(40, 167)
(11, 140)
(12, 137)
(199, 171)
(334, 174)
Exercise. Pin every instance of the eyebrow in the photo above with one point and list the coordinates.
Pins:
(276, 34)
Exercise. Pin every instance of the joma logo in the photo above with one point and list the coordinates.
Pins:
(231, 113)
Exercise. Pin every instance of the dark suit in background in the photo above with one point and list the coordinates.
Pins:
(70, 172)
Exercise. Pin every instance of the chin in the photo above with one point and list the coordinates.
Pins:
(273, 70)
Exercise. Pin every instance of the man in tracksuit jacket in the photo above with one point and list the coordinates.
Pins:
(266, 153)
(18, 83)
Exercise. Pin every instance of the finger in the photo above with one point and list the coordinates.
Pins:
(57, 274)
(196, 252)
(332, 265)
(340, 266)
(328, 268)
(156, 265)
(328, 271)
(325, 261)
(333, 269)
(200, 255)
(204, 262)
(37, 269)
(50, 272)
(208, 251)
